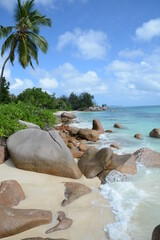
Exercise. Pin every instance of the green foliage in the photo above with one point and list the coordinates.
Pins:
(11, 113)
(5, 97)
(38, 98)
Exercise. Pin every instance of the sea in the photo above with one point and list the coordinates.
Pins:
(133, 199)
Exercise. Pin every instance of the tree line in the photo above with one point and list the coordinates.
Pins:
(38, 98)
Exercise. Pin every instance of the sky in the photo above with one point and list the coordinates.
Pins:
(109, 48)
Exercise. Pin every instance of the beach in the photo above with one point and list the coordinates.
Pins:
(89, 213)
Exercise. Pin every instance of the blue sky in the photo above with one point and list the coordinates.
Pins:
(110, 48)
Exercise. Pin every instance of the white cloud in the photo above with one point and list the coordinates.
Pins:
(148, 30)
(19, 85)
(131, 54)
(48, 83)
(135, 78)
(90, 44)
(72, 80)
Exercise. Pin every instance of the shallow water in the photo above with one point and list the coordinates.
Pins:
(134, 200)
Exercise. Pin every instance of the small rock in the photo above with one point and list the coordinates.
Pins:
(88, 134)
(83, 147)
(76, 153)
(109, 131)
(64, 223)
(97, 126)
(118, 125)
(14, 221)
(74, 131)
(11, 193)
(3, 154)
(68, 115)
(138, 136)
(114, 145)
(155, 133)
(73, 191)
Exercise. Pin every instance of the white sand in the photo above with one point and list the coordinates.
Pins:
(89, 213)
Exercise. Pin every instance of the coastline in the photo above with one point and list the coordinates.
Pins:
(90, 213)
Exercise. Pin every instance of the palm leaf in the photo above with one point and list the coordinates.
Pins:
(5, 31)
(39, 41)
(22, 52)
(8, 42)
(32, 49)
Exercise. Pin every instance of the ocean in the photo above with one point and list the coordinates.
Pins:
(134, 200)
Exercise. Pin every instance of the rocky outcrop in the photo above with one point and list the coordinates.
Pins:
(114, 145)
(41, 151)
(64, 223)
(118, 125)
(28, 124)
(123, 163)
(155, 133)
(11, 193)
(14, 221)
(88, 134)
(138, 136)
(95, 161)
(97, 126)
(147, 157)
(73, 191)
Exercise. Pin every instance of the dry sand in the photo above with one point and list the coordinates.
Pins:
(90, 213)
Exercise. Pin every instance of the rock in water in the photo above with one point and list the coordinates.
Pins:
(138, 136)
(73, 191)
(118, 125)
(68, 115)
(95, 161)
(42, 151)
(148, 157)
(14, 221)
(155, 133)
(97, 126)
(11, 193)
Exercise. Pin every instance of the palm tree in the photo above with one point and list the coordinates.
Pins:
(23, 38)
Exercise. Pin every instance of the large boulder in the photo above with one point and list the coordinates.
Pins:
(97, 126)
(68, 115)
(155, 133)
(73, 191)
(28, 124)
(74, 130)
(148, 157)
(11, 193)
(123, 163)
(40, 151)
(156, 233)
(88, 134)
(95, 161)
(14, 221)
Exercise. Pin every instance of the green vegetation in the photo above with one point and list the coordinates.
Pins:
(5, 96)
(11, 113)
(23, 38)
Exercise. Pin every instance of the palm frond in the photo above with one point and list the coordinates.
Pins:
(5, 31)
(39, 41)
(41, 21)
(18, 11)
(22, 52)
(32, 49)
(7, 43)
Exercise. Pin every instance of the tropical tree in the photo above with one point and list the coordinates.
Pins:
(23, 38)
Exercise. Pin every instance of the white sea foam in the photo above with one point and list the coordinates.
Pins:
(123, 198)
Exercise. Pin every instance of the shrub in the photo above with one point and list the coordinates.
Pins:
(11, 113)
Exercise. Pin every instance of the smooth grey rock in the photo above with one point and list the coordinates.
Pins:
(42, 151)
(28, 124)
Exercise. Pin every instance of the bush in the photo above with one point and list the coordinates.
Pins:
(11, 113)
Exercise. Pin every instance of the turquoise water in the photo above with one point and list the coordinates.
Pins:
(134, 119)
(134, 200)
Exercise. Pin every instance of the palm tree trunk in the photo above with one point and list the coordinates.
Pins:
(2, 71)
